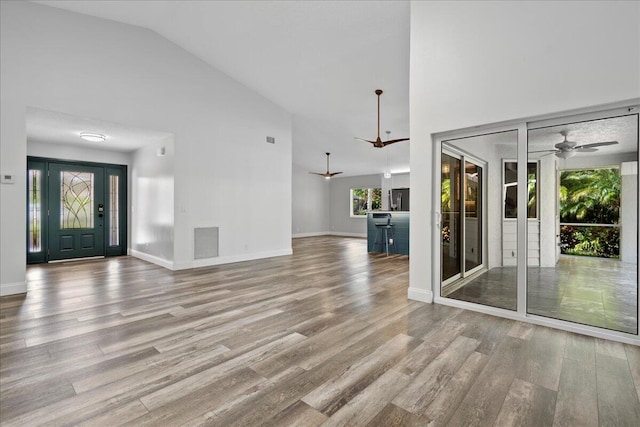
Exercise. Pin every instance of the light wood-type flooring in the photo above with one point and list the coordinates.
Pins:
(323, 337)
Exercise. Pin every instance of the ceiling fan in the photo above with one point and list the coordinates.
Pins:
(566, 149)
(378, 143)
(327, 174)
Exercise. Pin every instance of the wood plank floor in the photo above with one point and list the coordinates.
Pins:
(323, 337)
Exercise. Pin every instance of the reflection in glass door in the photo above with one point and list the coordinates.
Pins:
(475, 237)
(451, 225)
(588, 209)
(461, 210)
(472, 216)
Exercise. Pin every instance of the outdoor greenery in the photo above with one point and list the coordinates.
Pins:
(601, 242)
(364, 199)
(590, 196)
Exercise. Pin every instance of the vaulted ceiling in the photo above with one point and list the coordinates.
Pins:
(320, 60)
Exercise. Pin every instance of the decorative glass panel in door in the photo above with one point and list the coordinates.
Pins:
(76, 197)
(35, 210)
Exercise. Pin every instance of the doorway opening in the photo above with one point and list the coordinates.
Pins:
(75, 210)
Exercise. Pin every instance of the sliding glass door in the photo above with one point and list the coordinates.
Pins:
(583, 256)
(478, 247)
(462, 225)
(541, 218)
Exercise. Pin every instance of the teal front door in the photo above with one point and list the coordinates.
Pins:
(76, 211)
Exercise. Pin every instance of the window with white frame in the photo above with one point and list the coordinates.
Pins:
(510, 184)
(363, 200)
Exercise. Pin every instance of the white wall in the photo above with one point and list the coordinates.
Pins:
(77, 153)
(226, 175)
(151, 203)
(475, 63)
(341, 221)
(310, 203)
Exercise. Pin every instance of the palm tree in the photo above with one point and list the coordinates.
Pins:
(590, 196)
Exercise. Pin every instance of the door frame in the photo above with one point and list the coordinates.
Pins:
(43, 165)
(464, 157)
(522, 126)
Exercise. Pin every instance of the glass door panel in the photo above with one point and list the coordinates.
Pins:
(451, 229)
(583, 246)
(478, 225)
(472, 216)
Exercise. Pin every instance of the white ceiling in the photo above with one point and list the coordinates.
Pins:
(320, 60)
(58, 128)
(622, 129)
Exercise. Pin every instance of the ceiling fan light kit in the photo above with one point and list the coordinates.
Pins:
(327, 174)
(378, 143)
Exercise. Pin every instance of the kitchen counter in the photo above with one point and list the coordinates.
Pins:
(400, 221)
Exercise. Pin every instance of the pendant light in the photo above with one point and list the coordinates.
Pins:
(387, 172)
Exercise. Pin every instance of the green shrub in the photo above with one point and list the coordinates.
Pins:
(590, 241)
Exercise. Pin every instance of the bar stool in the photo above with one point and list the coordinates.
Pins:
(384, 229)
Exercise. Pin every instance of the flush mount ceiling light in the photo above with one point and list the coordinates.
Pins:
(93, 137)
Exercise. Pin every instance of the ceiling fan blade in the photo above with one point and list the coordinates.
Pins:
(316, 173)
(597, 144)
(586, 150)
(565, 145)
(334, 173)
(542, 151)
(365, 140)
(393, 141)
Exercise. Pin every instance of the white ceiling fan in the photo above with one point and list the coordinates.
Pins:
(566, 148)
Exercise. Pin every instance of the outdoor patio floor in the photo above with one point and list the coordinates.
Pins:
(592, 291)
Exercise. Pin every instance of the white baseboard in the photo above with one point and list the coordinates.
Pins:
(230, 259)
(421, 295)
(342, 234)
(330, 233)
(152, 259)
(314, 234)
(13, 288)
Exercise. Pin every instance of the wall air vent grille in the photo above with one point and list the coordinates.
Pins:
(205, 242)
